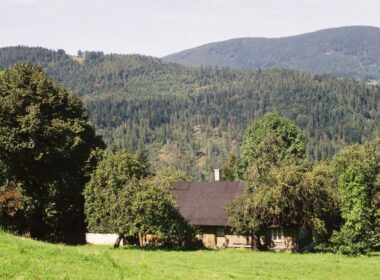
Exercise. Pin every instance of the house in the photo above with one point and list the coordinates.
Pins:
(203, 204)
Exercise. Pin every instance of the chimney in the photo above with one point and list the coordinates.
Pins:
(217, 175)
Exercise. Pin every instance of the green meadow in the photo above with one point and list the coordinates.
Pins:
(22, 258)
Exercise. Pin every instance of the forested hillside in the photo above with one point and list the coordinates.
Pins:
(193, 117)
(352, 52)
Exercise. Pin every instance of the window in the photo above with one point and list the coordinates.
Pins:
(220, 232)
(277, 234)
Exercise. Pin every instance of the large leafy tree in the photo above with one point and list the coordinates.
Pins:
(121, 199)
(47, 150)
(281, 189)
(287, 196)
(358, 170)
(273, 140)
(109, 193)
(155, 212)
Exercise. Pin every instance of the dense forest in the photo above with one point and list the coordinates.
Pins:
(194, 117)
(351, 52)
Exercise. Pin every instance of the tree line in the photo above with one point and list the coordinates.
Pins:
(193, 117)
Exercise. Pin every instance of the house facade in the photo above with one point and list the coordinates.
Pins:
(204, 204)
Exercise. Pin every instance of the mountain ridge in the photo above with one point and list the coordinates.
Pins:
(351, 52)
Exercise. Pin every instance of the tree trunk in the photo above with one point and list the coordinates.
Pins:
(141, 239)
(118, 240)
(254, 242)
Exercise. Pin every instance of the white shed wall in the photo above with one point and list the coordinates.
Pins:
(101, 238)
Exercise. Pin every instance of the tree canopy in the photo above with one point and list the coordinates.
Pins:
(108, 195)
(120, 199)
(47, 150)
(281, 189)
(358, 171)
(273, 140)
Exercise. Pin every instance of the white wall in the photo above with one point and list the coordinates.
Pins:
(101, 238)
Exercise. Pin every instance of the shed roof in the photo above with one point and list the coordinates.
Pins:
(204, 204)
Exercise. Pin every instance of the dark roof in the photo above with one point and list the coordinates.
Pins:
(204, 204)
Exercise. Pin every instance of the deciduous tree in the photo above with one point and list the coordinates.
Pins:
(46, 146)
(281, 189)
(358, 170)
(271, 140)
(121, 199)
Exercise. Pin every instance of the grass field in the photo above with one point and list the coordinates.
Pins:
(27, 259)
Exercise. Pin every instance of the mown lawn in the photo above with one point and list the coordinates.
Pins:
(27, 259)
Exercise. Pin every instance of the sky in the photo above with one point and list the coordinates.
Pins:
(162, 27)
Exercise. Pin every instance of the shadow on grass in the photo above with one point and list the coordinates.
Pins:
(161, 248)
(306, 252)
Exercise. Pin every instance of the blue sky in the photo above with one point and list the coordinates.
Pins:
(162, 27)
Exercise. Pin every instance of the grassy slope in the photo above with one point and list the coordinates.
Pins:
(27, 259)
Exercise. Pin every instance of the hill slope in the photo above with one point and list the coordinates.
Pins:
(28, 259)
(352, 52)
(193, 117)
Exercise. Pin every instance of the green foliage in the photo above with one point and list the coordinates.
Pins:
(154, 212)
(47, 148)
(229, 171)
(271, 140)
(192, 118)
(281, 190)
(322, 181)
(167, 177)
(118, 199)
(242, 216)
(284, 197)
(358, 168)
(109, 193)
(353, 237)
(142, 157)
(287, 196)
(338, 200)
